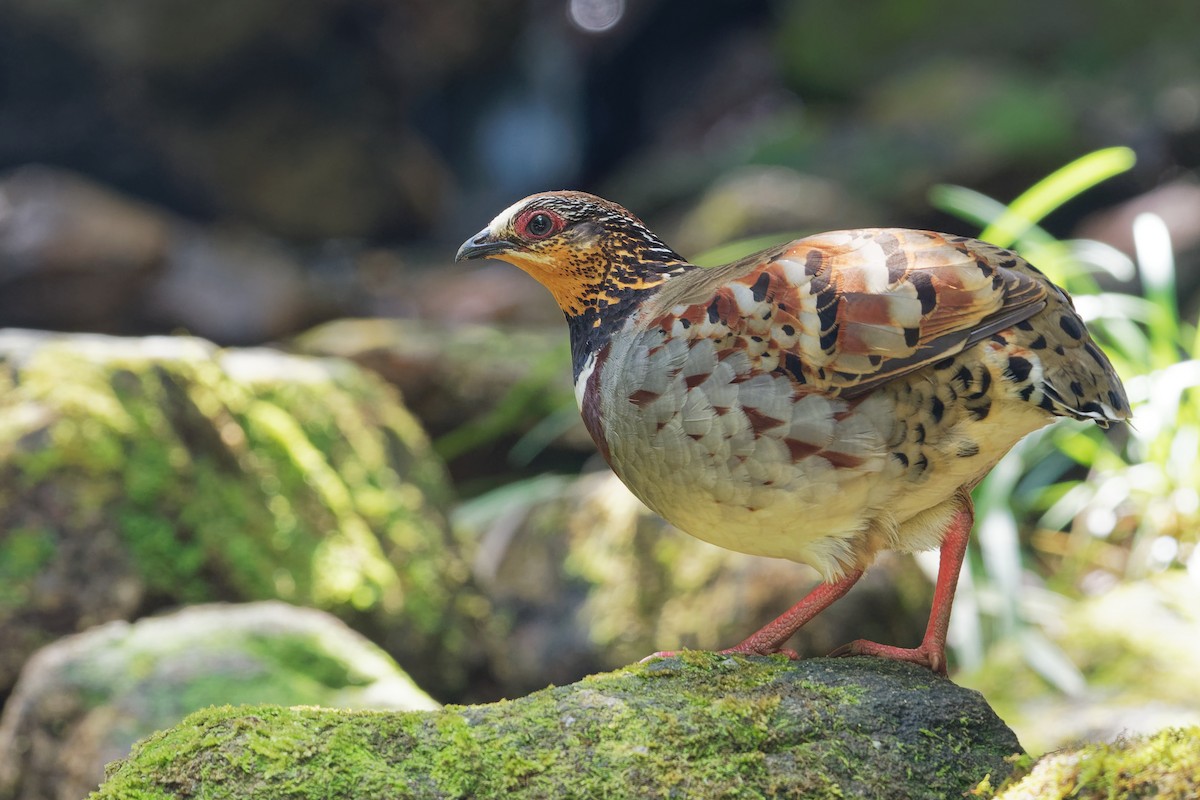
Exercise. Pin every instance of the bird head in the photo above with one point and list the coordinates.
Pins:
(589, 252)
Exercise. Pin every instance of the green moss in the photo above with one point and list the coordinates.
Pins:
(23, 554)
(1164, 765)
(237, 475)
(703, 725)
(302, 653)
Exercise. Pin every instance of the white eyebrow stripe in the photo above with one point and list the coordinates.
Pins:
(502, 220)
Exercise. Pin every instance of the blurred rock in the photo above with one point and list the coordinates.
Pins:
(586, 578)
(233, 286)
(137, 474)
(477, 390)
(83, 701)
(76, 256)
(487, 293)
(72, 254)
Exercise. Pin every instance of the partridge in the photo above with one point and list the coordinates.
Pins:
(819, 401)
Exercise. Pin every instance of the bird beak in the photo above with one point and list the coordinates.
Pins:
(481, 245)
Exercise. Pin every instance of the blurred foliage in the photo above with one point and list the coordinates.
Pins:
(1072, 511)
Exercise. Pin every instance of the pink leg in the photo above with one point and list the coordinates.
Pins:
(770, 638)
(932, 651)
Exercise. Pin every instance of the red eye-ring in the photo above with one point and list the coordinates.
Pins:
(539, 223)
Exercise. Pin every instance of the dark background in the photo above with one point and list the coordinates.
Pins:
(331, 145)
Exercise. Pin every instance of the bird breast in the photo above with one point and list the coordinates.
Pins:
(730, 454)
(753, 461)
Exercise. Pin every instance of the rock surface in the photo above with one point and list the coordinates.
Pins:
(84, 700)
(138, 474)
(700, 725)
(78, 256)
(74, 254)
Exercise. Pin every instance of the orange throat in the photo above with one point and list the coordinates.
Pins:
(581, 281)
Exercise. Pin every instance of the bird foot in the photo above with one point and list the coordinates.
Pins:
(931, 657)
(744, 650)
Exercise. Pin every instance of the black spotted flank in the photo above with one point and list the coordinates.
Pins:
(1070, 327)
(759, 290)
(903, 459)
(1038, 344)
(1093, 351)
(968, 449)
(964, 377)
(788, 330)
(1019, 368)
(985, 383)
(981, 411)
(912, 336)
(937, 408)
(713, 314)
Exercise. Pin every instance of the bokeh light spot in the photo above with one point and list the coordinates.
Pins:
(596, 16)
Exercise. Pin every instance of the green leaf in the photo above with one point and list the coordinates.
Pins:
(1056, 189)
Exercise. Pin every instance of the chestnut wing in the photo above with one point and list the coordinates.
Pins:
(843, 312)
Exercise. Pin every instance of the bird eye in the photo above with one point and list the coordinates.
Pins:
(539, 224)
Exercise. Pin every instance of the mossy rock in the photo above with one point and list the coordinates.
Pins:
(142, 473)
(494, 398)
(1164, 765)
(697, 725)
(83, 701)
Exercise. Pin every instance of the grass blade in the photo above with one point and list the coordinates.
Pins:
(1056, 189)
